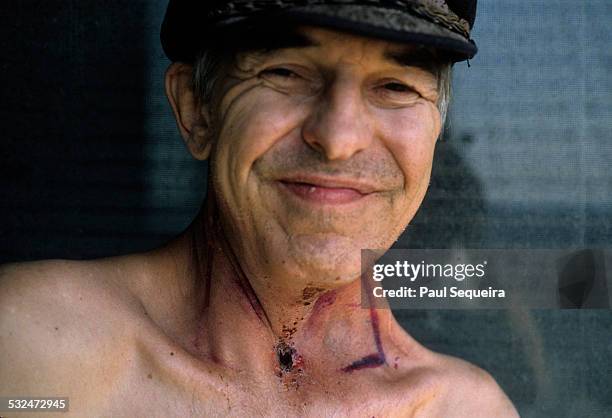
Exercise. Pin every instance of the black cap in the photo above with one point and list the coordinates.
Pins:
(191, 25)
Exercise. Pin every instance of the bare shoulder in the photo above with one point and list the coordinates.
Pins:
(448, 386)
(471, 391)
(57, 318)
(54, 289)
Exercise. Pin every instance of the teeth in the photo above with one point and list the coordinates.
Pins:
(312, 189)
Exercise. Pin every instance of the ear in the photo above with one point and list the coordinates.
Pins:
(192, 118)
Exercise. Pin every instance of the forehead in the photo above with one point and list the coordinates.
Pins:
(267, 42)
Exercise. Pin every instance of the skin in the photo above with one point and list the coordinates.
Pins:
(256, 309)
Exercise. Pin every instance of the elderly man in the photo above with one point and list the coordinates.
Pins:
(319, 119)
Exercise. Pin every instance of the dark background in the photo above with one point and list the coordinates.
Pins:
(91, 165)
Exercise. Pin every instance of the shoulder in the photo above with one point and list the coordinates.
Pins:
(471, 391)
(56, 317)
(451, 387)
(47, 290)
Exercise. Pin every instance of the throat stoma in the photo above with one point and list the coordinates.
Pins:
(285, 356)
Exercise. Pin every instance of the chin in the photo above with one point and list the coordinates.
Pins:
(325, 259)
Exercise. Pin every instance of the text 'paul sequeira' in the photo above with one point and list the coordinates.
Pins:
(427, 293)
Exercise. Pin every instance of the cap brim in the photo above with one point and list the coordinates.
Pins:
(389, 24)
(184, 33)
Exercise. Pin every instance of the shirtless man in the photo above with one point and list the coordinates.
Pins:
(320, 144)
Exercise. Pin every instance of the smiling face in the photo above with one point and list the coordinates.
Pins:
(322, 149)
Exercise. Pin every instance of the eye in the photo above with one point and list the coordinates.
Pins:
(288, 81)
(280, 72)
(396, 93)
(399, 88)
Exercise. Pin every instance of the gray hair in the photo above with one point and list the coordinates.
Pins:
(445, 77)
(208, 70)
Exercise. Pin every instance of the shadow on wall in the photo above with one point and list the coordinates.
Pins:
(453, 213)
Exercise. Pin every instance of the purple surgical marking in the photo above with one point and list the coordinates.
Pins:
(326, 299)
(373, 360)
(376, 359)
(376, 332)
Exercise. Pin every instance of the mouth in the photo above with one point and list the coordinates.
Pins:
(326, 190)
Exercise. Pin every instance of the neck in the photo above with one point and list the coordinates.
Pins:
(244, 325)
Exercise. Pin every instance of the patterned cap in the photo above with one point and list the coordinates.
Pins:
(191, 25)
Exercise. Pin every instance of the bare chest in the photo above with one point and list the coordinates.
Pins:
(153, 389)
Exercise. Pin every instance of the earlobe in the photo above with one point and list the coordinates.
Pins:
(191, 116)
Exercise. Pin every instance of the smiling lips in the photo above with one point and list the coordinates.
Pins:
(327, 191)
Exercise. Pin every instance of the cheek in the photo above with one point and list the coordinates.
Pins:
(411, 135)
(252, 124)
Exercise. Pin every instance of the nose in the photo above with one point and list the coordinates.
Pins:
(339, 126)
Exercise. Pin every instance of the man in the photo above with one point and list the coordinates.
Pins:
(320, 133)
